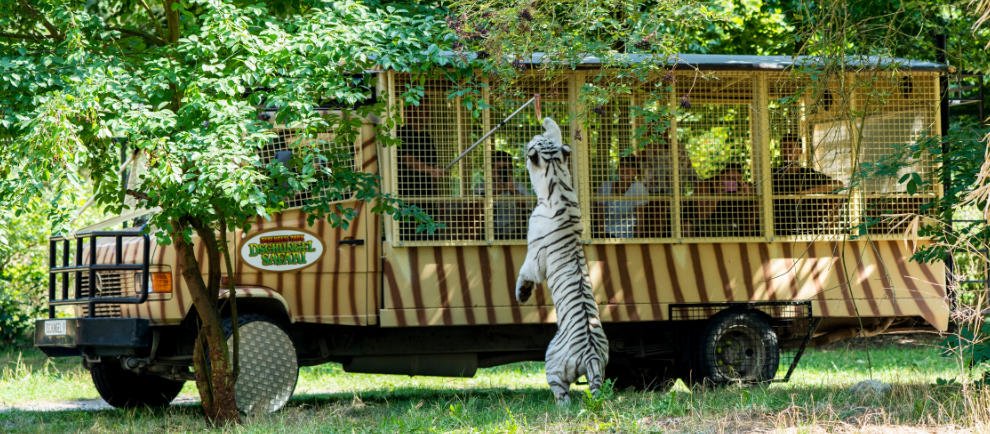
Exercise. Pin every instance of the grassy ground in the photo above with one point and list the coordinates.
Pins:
(516, 398)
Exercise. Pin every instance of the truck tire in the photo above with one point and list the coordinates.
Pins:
(738, 347)
(126, 389)
(268, 364)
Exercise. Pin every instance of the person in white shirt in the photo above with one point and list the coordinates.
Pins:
(621, 198)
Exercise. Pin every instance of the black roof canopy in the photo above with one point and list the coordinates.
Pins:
(738, 61)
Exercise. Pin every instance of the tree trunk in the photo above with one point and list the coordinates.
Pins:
(211, 361)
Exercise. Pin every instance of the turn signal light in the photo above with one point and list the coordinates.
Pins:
(161, 282)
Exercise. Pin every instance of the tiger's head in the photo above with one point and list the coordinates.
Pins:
(548, 161)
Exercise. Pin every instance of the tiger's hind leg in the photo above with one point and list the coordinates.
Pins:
(560, 370)
(595, 374)
(560, 387)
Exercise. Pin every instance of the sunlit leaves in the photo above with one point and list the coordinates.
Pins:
(193, 107)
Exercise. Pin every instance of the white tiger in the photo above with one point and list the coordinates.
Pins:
(554, 254)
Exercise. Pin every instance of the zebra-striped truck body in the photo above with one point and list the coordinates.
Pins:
(379, 298)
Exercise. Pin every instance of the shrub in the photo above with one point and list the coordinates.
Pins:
(22, 297)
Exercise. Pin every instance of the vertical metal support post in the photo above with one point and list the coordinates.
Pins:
(91, 292)
(77, 274)
(118, 250)
(145, 271)
(676, 229)
(761, 152)
(489, 192)
(943, 113)
(580, 146)
(52, 258)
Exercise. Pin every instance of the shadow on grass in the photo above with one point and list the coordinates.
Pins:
(417, 394)
(417, 408)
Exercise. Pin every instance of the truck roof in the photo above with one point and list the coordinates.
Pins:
(735, 61)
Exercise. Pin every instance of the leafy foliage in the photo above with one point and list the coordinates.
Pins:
(183, 85)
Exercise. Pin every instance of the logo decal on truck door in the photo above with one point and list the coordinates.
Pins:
(282, 250)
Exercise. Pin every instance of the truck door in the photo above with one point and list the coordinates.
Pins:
(321, 271)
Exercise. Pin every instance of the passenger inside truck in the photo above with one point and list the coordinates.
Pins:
(419, 174)
(726, 206)
(622, 196)
(794, 214)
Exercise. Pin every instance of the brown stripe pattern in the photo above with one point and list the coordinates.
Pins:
(636, 282)
(377, 283)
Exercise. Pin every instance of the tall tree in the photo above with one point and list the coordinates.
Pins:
(183, 83)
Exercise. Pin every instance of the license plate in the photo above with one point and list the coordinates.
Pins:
(55, 328)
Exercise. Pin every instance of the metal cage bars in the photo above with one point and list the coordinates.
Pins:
(711, 176)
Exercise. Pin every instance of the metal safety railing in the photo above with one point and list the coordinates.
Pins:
(85, 271)
(791, 320)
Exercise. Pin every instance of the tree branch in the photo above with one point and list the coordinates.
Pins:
(138, 194)
(52, 30)
(173, 21)
(153, 19)
(148, 37)
(172, 17)
(23, 36)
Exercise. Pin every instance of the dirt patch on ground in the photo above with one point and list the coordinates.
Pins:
(78, 405)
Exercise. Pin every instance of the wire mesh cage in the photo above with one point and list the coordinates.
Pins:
(792, 322)
(695, 155)
(715, 127)
(809, 187)
(485, 197)
(329, 155)
(896, 115)
(619, 188)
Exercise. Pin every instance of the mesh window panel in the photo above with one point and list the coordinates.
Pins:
(630, 163)
(433, 134)
(441, 128)
(806, 200)
(714, 127)
(337, 155)
(618, 190)
(899, 110)
(651, 126)
(512, 197)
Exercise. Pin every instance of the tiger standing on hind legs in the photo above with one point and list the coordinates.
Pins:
(554, 254)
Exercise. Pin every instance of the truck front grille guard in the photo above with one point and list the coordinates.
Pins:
(77, 276)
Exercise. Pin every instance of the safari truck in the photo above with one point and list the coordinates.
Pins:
(724, 225)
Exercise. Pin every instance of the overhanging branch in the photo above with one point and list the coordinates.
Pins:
(32, 11)
(148, 37)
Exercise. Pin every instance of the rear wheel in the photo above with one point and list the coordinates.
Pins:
(126, 389)
(268, 367)
(738, 347)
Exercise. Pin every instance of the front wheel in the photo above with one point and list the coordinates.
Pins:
(738, 347)
(268, 367)
(125, 389)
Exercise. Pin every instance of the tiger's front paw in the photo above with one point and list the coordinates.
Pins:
(524, 289)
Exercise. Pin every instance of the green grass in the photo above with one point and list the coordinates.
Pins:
(516, 398)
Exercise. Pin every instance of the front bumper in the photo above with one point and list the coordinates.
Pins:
(92, 336)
